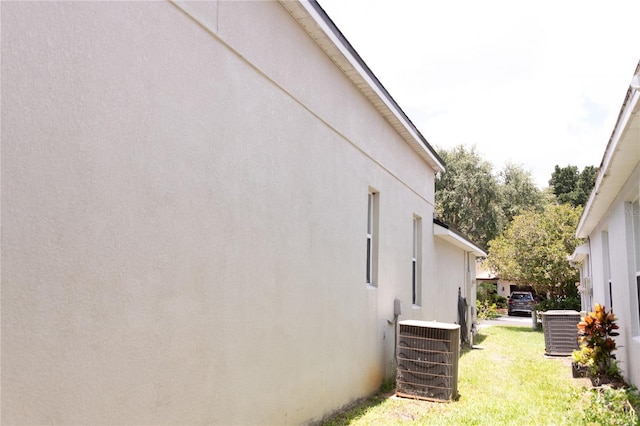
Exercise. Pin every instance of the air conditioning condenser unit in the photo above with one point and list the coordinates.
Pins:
(427, 356)
(560, 331)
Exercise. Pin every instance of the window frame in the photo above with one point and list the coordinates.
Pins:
(416, 262)
(635, 232)
(373, 203)
(606, 257)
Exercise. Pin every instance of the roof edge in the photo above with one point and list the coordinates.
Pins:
(632, 98)
(442, 230)
(330, 29)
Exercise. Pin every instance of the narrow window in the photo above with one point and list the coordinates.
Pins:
(610, 294)
(606, 262)
(638, 289)
(635, 211)
(416, 262)
(372, 238)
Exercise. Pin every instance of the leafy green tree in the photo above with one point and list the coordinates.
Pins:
(571, 186)
(548, 197)
(533, 250)
(468, 195)
(564, 181)
(519, 192)
(586, 181)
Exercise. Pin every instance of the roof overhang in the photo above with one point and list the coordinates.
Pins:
(621, 157)
(580, 253)
(324, 32)
(458, 241)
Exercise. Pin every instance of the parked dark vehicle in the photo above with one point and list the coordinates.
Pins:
(520, 301)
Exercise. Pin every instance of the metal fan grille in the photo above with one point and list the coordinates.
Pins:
(428, 360)
(560, 332)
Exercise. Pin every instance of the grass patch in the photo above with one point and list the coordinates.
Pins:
(510, 381)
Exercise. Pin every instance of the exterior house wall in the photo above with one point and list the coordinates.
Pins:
(586, 285)
(443, 292)
(623, 299)
(456, 269)
(611, 224)
(184, 210)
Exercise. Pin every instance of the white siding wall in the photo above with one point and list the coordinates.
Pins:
(617, 222)
(184, 215)
(442, 293)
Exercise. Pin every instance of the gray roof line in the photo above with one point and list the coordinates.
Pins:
(336, 31)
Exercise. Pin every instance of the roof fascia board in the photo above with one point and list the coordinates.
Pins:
(600, 200)
(580, 253)
(330, 30)
(457, 240)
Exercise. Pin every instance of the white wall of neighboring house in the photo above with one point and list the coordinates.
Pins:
(184, 213)
(455, 273)
(610, 260)
(502, 287)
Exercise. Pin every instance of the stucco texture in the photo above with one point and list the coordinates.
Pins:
(184, 203)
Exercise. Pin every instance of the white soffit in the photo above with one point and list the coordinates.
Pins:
(580, 253)
(315, 24)
(621, 157)
(455, 239)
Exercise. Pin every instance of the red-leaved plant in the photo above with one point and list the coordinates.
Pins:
(595, 334)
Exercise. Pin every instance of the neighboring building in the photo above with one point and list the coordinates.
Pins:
(501, 287)
(456, 272)
(208, 210)
(610, 259)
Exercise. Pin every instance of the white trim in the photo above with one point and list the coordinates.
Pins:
(416, 260)
(580, 253)
(457, 240)
(601, 197)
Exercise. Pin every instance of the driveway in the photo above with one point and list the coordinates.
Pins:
(521, 321)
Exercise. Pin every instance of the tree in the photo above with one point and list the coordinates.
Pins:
(519, 192)
(586, 181)
(533, 250)
(573, 187)
(468, 196)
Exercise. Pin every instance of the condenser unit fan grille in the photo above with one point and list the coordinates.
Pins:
(560, 331)
(428, 360)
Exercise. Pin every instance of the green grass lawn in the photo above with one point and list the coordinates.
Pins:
(509, 381)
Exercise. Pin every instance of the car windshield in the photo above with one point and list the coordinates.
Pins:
(521, 297)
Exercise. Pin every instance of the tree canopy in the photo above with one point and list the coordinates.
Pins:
(479, 203)
(468, 196)
(571, 186)
(533, 250)
(518, 191)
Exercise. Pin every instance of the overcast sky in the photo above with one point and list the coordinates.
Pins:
(535, 83)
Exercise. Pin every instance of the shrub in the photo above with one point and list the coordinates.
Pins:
(486, 310)
(487, 293)
(595, 334)
(610, 406)
(501, 302)
(562, 303)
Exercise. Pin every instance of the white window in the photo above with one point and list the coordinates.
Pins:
(606, 262)
(635, 211)
(372, 238)
(416, 262)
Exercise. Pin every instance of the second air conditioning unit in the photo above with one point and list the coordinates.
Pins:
(560, 331)
(428, 355)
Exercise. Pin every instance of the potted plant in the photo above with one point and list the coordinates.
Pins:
(595, 335)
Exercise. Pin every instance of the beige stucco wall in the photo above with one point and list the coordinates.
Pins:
(183, 219)
(455, 269)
